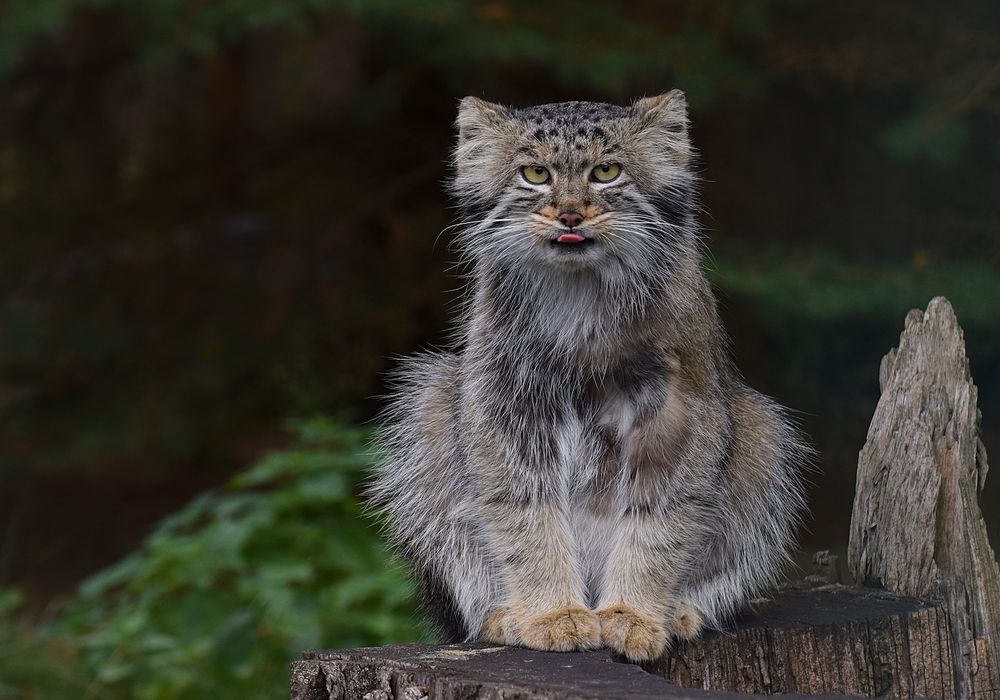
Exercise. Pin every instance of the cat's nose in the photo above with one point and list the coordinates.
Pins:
(570, 218)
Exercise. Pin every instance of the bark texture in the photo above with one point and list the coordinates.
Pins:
(468, 671)
(829, 639)
(917, 527)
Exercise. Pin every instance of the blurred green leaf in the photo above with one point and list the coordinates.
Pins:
(227, 591)
(823, 286)
(927, 133)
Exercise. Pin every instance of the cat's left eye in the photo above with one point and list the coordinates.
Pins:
(605, 172)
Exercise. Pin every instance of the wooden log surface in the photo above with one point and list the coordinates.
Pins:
(826, 639)
(820, 641)
(418, 672)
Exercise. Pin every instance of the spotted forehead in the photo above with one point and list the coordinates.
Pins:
(576, 124)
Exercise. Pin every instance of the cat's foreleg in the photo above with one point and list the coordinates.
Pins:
(529, 536)
(639, 607)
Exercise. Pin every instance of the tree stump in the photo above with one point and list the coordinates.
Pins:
(820, 640)
(925, 624)
(467, 671)
(916, 527)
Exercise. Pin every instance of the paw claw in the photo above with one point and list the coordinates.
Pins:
(566, 629)
(637, 636)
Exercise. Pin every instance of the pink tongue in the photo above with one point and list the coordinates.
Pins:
(570, 238)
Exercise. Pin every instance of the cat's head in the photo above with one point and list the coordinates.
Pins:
(575, 185)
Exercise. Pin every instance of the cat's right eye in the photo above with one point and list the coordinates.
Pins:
(536, 174)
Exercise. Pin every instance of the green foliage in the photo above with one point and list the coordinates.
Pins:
(169, 29)
(458, 39)
(824, 287)
(927, 133)
(224, 593)
(35, 662)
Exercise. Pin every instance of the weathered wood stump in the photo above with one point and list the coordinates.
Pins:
(925, 624)
(917, 527)
(418, 672)
(414, 672)
(826, 639)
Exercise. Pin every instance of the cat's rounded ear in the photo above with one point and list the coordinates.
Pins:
(476, 116)
(668, 110)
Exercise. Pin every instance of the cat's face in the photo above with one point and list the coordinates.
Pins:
(575, 185)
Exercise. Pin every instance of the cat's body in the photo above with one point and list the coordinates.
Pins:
(588, 468)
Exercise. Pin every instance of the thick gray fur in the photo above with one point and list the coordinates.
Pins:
(587, 466)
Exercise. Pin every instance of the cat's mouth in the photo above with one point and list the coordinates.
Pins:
(571, 240)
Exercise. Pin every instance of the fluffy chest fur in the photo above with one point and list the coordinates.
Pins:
(609, 419)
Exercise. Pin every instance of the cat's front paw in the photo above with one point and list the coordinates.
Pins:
(566, 629)
(500, 627)
(639, 637)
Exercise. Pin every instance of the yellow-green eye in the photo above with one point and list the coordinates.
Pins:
(535, 174)
(606, 172)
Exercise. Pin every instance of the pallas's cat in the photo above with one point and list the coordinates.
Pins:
(586, 467)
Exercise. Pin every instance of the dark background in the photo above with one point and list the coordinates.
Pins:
(219, 216)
